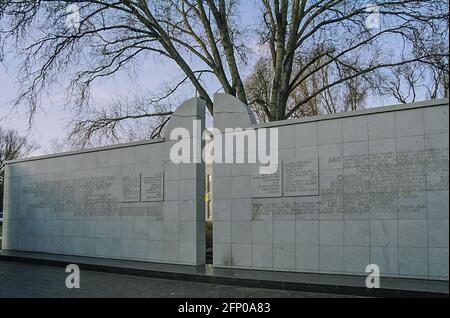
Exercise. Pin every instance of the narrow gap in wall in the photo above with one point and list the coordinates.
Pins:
(209, 214)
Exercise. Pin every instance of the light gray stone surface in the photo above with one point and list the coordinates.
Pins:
(126, 202)
(367, 187)
(381, 197)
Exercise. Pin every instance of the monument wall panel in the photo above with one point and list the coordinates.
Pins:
(360, 188)
(126, 202)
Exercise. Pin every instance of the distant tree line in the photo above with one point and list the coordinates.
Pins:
(12, 146)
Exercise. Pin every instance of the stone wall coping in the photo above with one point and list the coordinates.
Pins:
(88, 150)
(363, 112)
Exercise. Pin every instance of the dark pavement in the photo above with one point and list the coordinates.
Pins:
(27, 280)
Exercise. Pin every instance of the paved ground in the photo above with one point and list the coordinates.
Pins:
(25, 280)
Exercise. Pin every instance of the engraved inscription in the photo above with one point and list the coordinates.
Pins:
(95, 196)
(284, 208)
(356, 174)
(357, 162)
(383, 179)
(411, 177)
(382, 159)
(383, 202)
(331, 205)
(382, 184)
(412, 203)
(131, 188)
(301, 178)
(411, 157)
(356, 182)
(152, 186)
(437, 169)
(331, 182)
(266, 185)
(356, 203)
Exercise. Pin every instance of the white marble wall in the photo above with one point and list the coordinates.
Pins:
(96, 222)
(365, 217)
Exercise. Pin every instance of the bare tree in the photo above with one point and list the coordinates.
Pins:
(406, 83)
(122, 120)
(402, 83)
(314, 46)
(12, 146)
(348, 95)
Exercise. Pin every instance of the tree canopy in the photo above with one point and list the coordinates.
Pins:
(312, 56)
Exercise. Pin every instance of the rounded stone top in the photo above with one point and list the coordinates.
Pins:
(188, 111)
(229, 104)
(230, 112)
